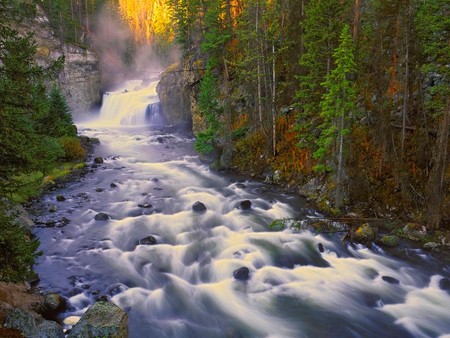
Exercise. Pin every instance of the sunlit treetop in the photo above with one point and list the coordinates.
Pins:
(149, 20)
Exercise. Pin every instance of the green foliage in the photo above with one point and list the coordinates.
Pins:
(338, 103)
(17, 249)
(209, 109)
(72, 148)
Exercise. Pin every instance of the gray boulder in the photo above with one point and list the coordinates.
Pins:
(32, 327)
(102, 319)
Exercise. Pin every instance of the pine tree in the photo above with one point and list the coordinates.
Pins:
(337, 110)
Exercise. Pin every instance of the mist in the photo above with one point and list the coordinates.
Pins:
(121, 56)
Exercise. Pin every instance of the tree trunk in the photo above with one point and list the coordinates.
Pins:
(274, 118)
(436, 180)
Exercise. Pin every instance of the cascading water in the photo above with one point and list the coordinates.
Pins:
(134, 104)
(183, 285)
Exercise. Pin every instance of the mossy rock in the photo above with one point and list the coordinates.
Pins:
(364, 234)
(389, 240)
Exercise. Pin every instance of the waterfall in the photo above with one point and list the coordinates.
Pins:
(134, 104)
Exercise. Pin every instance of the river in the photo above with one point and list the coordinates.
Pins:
(183, 286)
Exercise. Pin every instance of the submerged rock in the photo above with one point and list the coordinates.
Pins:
(444, 284)
(144, 205)
(101, 216)
(390, 280)
(103, 319)
(53, 208)
(242, 273)
(199, 207)
(149, 240)
(320, 247)
(113, 185)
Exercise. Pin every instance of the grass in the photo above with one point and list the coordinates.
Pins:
(32, 184)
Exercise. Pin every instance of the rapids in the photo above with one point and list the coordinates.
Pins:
(183, 286)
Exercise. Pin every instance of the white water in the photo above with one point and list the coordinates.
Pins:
(133, 104)
(184, 285)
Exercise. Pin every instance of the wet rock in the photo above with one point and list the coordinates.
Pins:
(444, 284)
(53, 305)
(53, 208)
(31, 327)
(103, 319)
(50, 223)
(245, 205)
(99, 189)
(113, 185)
(98, 160)
(430, 245)
(241, 185)
(60, 198)
(276, 178)
(390, 280)
(144, 205)
(389, 240)
(149, 240)
(101, 217)
(158, 188)
(320, 247)
(154, 179)
(242, 273)
(103, 298)
(199, 207)
(365, 234)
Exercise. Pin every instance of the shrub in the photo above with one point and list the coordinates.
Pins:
(72, 148)
(17, 249)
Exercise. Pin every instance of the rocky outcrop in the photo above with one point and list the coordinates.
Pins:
(177, 91)
(103, 319)
(80, 77)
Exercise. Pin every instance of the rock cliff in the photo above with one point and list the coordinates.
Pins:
(177, 91)
(80, 77)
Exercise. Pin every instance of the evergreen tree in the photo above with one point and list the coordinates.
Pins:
(337, 109)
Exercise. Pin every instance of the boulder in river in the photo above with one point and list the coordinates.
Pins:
(144, 205)
(199, 207)
(103, 319)
(390, 280)
(113, 185)
(98, 160)
(389, 240)
(101, 216)
(149, 240)
(320, 247)
(53, 305)
(365, 234)
(243, 273)
(245, 205)
(60, 198)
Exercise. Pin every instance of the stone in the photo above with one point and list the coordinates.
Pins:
(430, 245)
(60, 198)
(103, 319)
(53, 305)
(99, 189)
(364, 234)
(53, 208)
(149, 240)
(144, 205)
(98, 160)
(320, 247)
(242, 273)
(154, 179)
(444, 284)
(101, 216)
(30, 326)
(390, 280)
(276, 178)
(241, 185)
(389, 240)
(113, 185)
(245, 205)
(199, 207)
